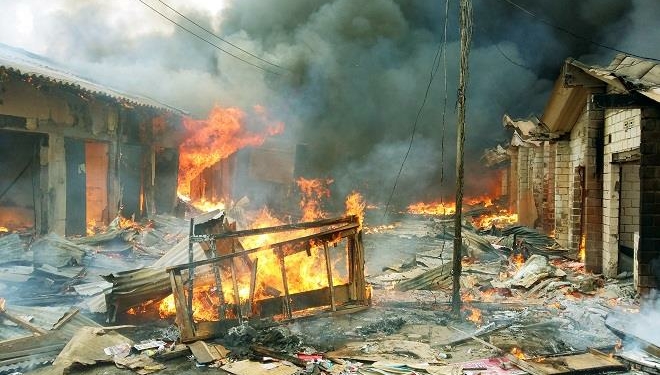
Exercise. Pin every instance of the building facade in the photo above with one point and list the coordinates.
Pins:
(588, 171)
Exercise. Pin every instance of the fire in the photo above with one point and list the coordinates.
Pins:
(312, 192)
(485, 200)
(582, 252)
(120, 222)
(208, 206)
(475, 316)
(355, 205)
(302, 271)
(518, 353)
(4, 229)
(517, 260)
(501, 219)
(435, 208)
(166, 308)
(216, 138)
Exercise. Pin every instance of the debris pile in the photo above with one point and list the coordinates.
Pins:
(527, 308)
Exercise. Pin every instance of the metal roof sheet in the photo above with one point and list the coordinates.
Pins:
(32, 65)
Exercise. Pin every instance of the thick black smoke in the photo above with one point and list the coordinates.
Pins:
(357, 72)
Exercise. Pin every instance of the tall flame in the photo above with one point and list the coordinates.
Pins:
(312, 192)
(216, 138)
(355, 205)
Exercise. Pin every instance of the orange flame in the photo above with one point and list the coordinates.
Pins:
(485, 200)
(518, 260)
(475, 316)
(312, 192)
(355, 205)
(214, 139)
(518, 353)
(4, 229)
(582, 251)
(302, 271)
(435, 208)
(501, 219)
(208, 206)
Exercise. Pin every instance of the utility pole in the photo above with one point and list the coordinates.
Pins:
(466, 35)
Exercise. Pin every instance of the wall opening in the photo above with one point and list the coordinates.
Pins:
(96, 184)
(629, 202)
(20, 202)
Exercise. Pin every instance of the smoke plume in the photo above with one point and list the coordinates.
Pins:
(354, 72)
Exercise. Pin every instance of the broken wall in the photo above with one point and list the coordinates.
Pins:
(60, 113)
(648, 257)
(622, 140)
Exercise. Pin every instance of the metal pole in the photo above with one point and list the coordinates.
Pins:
(465, 25)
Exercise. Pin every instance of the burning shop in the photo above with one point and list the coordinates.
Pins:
(76, 155)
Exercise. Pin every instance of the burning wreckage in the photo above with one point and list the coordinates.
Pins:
(196, 282)
(236, 299)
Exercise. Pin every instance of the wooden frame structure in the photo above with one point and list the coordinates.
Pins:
(324, 236)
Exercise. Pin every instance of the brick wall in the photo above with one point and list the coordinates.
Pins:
(629, 204)
(592, 225)
(537, 182)
(561, 188)
(648, 256)
(549, 155)
(622, 133)
(513, 179)
(576, 180)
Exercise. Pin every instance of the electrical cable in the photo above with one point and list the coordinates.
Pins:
(219, 37)
(575, 35)
(434, 69)
(207, 41)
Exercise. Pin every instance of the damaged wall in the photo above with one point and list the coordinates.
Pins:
(83, 183)
(622, 134)
(603, 163)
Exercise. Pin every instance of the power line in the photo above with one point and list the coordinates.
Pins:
(434, 69)
(575, 35)
(219, 37)
(207, 41)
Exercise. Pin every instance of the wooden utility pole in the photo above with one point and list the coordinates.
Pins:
(466, 35)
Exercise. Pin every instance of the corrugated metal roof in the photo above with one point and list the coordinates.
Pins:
(32, 65)
(627, 73)
(27, 351)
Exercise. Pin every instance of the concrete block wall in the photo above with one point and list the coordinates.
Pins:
(561, 189)
(548, 212)
(622, 133)
(537, 181)
(648, 257)
(629, 204)
(577, 146)
(513, 179)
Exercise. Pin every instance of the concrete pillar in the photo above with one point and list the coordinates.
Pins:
(648, 257)
(56, 184)
(593, 189)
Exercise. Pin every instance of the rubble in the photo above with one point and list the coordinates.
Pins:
(545, 309)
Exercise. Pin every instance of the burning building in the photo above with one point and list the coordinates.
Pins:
(76, 154)
(587, 170)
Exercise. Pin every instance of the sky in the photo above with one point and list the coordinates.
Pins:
(351, 75)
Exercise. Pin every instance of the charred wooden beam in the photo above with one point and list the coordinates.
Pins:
(342, 232)
(280, 228)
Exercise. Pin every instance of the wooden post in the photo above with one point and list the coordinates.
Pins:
(466, 26)
(285, 283)
(328, 269)
(191, 269)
